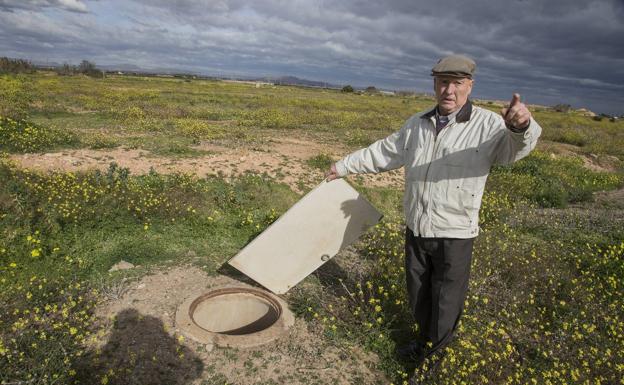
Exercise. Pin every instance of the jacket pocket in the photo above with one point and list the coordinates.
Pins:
(465, 168)
(449, 209)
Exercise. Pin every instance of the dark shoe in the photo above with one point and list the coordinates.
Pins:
(428, 367)
(434, 360)
(414, 351)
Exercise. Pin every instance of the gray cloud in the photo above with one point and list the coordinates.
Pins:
(68, 5)
(552, 52)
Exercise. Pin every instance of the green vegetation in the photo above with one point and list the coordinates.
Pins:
(23, 136)
(321, 161)
(15, 96)
(544, 305)
(598, 137)
(15, 66)
(347, 88)
(128, 108)
(85, 68)
(552, 182)
(61, 232)
(545, 302)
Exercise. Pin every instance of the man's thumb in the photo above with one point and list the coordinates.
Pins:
(515, 99)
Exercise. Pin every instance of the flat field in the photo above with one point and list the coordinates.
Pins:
(176, 175)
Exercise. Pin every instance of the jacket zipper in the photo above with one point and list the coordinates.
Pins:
(427, 183)
(426, 186)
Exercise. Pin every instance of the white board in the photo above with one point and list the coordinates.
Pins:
(313, 230)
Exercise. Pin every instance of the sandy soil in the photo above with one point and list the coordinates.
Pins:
(283, 158)
(140, 339)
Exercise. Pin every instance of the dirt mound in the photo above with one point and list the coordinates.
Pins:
(140, 336)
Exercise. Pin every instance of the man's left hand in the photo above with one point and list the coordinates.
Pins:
(517, 115)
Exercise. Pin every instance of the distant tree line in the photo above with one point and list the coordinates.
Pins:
(562, 108)
(15, 66)
(347, 88)
(85, 68)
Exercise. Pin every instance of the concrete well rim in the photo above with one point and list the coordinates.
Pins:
(186, 324)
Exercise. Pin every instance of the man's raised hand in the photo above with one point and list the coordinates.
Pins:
(517, 115)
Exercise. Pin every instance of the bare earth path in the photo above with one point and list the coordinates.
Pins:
(283, 158)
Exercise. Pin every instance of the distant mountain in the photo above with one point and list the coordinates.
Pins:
(121, 67)
(282, 80)
(45, 64)
(113, 67)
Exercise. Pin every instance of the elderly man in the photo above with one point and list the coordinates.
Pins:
(447, 153)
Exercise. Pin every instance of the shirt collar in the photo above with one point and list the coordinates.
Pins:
(461, 116)
(448, 117)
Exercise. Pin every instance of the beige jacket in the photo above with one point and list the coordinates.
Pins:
(444, 176)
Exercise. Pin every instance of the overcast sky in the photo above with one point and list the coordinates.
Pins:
(550, 51)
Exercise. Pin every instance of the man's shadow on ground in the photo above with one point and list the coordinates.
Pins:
(139, 352)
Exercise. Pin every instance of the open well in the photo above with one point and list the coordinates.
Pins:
(234, 316)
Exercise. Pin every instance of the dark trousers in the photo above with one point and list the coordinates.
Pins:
(437, 271)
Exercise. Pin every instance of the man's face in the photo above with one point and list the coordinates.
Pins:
(451, 93)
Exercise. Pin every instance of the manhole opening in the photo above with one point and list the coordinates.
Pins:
(235, 311)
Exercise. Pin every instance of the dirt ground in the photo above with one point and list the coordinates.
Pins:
(140, 339)
(282, 158)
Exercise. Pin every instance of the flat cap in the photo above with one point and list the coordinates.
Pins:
(455, 65)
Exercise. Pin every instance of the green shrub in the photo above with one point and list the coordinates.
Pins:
(15, 66)
(24, 136)
(15, 97)
(198, 129)
(321, 161)
(99, 141)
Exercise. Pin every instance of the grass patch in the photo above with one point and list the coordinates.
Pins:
(552, 182)
(166, 146)
(207, 110)
(98, 141)
(597, 137)
(321, 161)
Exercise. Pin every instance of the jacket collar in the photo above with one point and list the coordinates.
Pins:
(462, 116)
